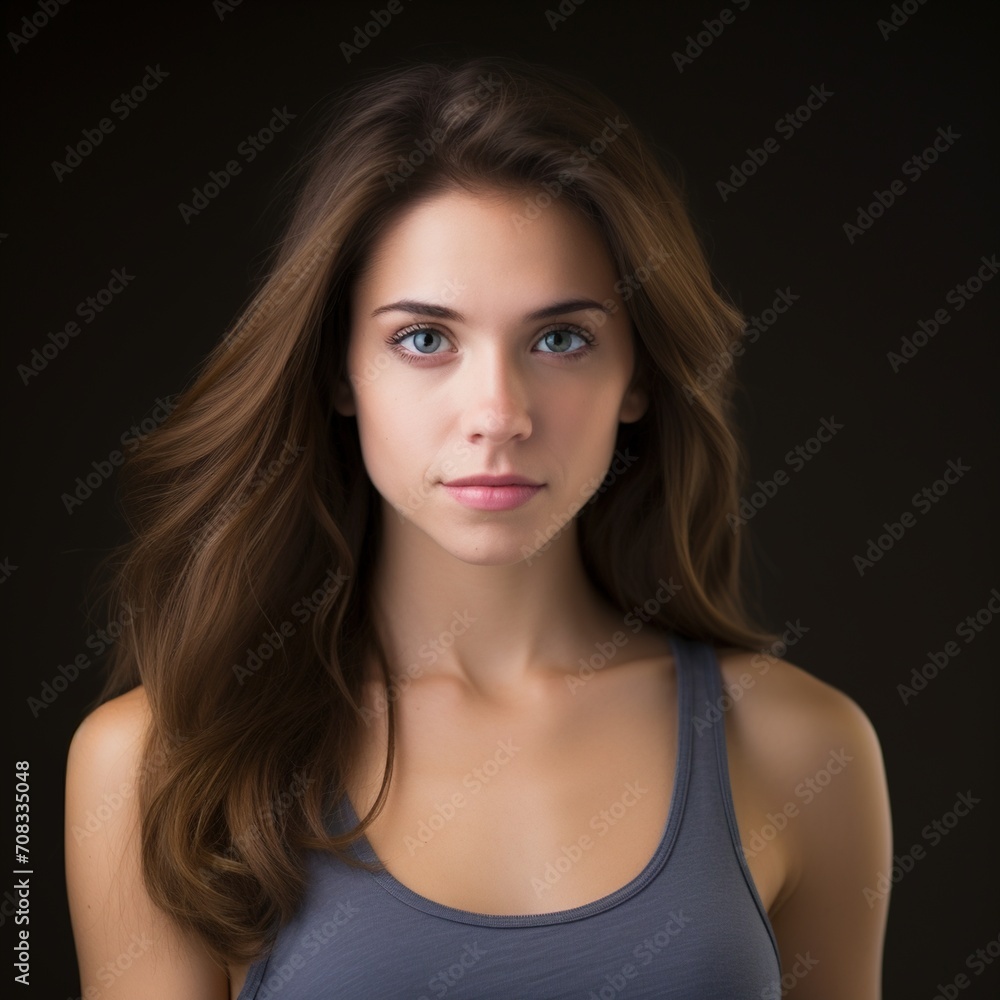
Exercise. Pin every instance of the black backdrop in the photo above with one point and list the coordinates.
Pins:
(881, 95)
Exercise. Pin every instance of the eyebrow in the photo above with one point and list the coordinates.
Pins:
(443, 312)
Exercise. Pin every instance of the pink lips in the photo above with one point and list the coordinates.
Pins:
(492, 492)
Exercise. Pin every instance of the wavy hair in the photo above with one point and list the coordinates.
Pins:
(255, 525)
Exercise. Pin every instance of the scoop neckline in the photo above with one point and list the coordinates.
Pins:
(362, 847)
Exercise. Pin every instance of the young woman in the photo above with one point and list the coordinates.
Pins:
(439, 680)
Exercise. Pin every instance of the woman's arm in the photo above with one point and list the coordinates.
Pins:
(825, 754)
(126, 946)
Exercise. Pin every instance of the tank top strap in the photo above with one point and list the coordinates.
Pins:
(704, 707)
(702, 719)
(710, 834)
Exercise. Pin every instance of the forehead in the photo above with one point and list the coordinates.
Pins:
(497, 245)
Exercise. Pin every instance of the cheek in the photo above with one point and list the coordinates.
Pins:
(377, 432)
(393, 431)
(584, 418)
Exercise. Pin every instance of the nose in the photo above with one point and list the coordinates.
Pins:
(498, 405)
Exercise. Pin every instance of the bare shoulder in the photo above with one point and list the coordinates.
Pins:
(125, 945)
(788, 714)
(114, 730)
(821, 773)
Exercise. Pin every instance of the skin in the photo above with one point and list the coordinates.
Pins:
(491, 397)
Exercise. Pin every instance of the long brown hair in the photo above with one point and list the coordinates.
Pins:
(255, 524)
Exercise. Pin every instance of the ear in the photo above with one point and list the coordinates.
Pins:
(343, 399)
(635, 402)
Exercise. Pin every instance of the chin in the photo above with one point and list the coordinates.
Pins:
(491, 546)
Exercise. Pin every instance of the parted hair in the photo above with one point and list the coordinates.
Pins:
(254, 524)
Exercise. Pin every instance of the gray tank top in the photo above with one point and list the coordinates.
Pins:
(691, 924)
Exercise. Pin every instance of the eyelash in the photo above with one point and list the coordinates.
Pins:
(394, 342)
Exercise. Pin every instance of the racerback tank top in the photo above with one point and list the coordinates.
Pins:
(691, 924)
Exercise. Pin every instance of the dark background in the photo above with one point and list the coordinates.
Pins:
(825, 358)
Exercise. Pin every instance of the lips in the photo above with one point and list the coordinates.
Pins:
(499, 480)
(492, 493)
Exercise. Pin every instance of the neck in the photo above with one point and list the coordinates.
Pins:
(489, 626)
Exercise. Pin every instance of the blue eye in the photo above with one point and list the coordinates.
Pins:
(420, 335)
(561, 332)
(423, 337)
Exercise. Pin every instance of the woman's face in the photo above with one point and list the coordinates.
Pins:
(478, 386)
